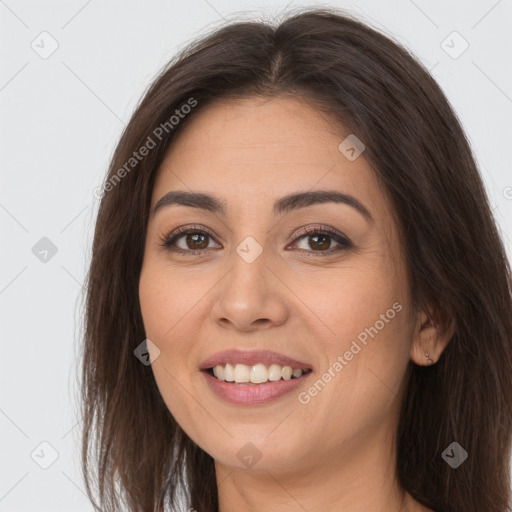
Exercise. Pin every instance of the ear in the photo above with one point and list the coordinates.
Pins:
(432, 334)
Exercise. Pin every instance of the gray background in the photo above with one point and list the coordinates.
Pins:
(60, 118)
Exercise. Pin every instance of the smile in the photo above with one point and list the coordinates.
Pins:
(253, 377)
(256, 374)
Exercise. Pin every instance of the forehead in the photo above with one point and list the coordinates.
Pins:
(251, 151)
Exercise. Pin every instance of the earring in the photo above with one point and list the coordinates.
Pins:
(428, 358)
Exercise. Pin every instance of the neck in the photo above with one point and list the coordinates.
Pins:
(355, 479)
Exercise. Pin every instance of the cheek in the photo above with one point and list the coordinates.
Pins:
(164, 311)
(165, 301)
(172, 321)
(368, 341)
(374, 358)
(353, 301)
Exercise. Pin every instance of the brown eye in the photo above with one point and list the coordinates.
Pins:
(196, 241)
(320, 241)
(188, 241)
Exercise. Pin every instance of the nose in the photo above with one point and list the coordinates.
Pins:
(251, 296)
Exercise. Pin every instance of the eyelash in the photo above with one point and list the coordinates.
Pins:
(170, 239)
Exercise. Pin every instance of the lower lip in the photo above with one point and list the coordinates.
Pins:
(253, 394)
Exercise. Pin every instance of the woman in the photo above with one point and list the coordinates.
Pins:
(298, 298)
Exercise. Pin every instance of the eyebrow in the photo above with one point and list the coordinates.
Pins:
(283, 205)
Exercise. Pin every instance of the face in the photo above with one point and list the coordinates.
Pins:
(318, 281)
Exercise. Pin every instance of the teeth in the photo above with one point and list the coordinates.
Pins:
(257, 374)
(296, 373)
(229, 373)
(287, 372)
(242, 373)
(219, 372)
(274, 372)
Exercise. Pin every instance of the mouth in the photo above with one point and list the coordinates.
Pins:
(255, 375)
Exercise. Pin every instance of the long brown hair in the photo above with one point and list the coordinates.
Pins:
(374, 88)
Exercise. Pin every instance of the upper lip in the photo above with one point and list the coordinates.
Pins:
(250, 358)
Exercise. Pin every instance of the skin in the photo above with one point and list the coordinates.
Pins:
(336, 452)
